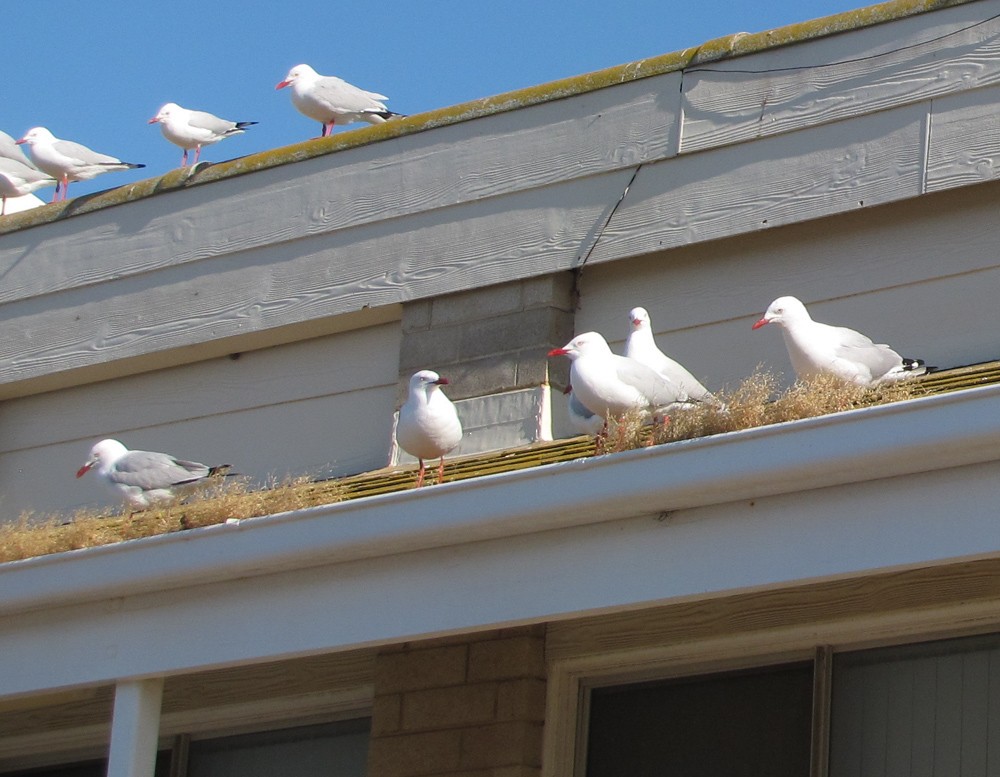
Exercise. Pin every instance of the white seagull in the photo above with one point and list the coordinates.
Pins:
(641, 346)
(818, 349)
(610, 385)
(17, 179)
(67, 161)
(145, 477)
(11, 150)
(428, 426)
(331, 100)
(580, 418)
(194, 129)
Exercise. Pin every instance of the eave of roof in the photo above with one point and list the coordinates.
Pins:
(726, 47)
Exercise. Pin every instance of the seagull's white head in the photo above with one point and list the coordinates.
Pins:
(783, 311)
(165, 112)
(103, 454)
(36, 135)
(296, 73)
(426, 381)
(587, 344)
(639, 318)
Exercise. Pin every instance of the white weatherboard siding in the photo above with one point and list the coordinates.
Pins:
(854, 123)
(316, 407)
(826, 497)
(920, 275)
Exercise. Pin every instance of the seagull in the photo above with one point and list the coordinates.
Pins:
(428, 426)
(194, 129)
(611, 385)
(17, 179)
(67, 161)
(331, 100)
(580, 418)
(818, 349)
(11, 150)
(641, 346)
(145, 477)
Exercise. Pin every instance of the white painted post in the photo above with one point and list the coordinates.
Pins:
(135, 728)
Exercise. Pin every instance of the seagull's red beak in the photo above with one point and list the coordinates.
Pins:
(282, 84)
(153, 120)
(442, 381)
(558, 352)
(760, 323)
(20, 142)
(84, 470)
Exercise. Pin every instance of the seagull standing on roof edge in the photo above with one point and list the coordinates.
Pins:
(428, 425)
(194, 129)
(641, 346)
(331, 100)
(611, 385)
(143, 478)
(67, 161)
(820, 349)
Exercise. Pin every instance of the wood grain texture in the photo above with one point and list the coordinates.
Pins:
(294, 282)
(545, 144)
(866, 161)
(964, 140)
(861, 72)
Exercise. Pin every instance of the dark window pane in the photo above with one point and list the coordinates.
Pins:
(327, 750)
(740, 724)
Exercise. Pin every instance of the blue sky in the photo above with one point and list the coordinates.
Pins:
(96, 72)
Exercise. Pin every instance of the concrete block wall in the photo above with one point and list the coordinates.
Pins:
(464, 707)
(489, 340)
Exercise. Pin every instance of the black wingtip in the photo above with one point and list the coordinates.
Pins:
(245, 124)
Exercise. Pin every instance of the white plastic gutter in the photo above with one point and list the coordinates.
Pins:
(909, 437)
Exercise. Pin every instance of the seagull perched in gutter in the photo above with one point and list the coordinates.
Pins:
(67, 161)
(331, 100)
(194, 129)
(611, 385)
(428, 425)
(821, 349)
(143, 478)
(641, 346)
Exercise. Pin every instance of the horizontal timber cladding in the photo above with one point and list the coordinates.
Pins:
(316, 407)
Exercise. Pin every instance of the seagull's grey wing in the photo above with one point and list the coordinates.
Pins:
(27, 173)
(210, 122)
(659, 390)
(347, 97)
(877, 358)
(149, 470)
(82, 154)
(10, 150)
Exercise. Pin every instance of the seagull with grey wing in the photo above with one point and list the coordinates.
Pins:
(143, 478)
(820, 349)
(641, 346)
(67, 161)
(611, 385)
(331, 100)
(194, 129)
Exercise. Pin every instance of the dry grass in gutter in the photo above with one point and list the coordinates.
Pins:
(756, 402)
(32, 535)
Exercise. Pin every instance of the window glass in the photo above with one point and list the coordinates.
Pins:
(331, 750)
(735, 724)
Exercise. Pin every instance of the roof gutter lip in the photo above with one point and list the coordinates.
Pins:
(871, 443)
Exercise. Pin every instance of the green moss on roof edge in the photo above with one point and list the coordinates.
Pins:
(729, 46)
